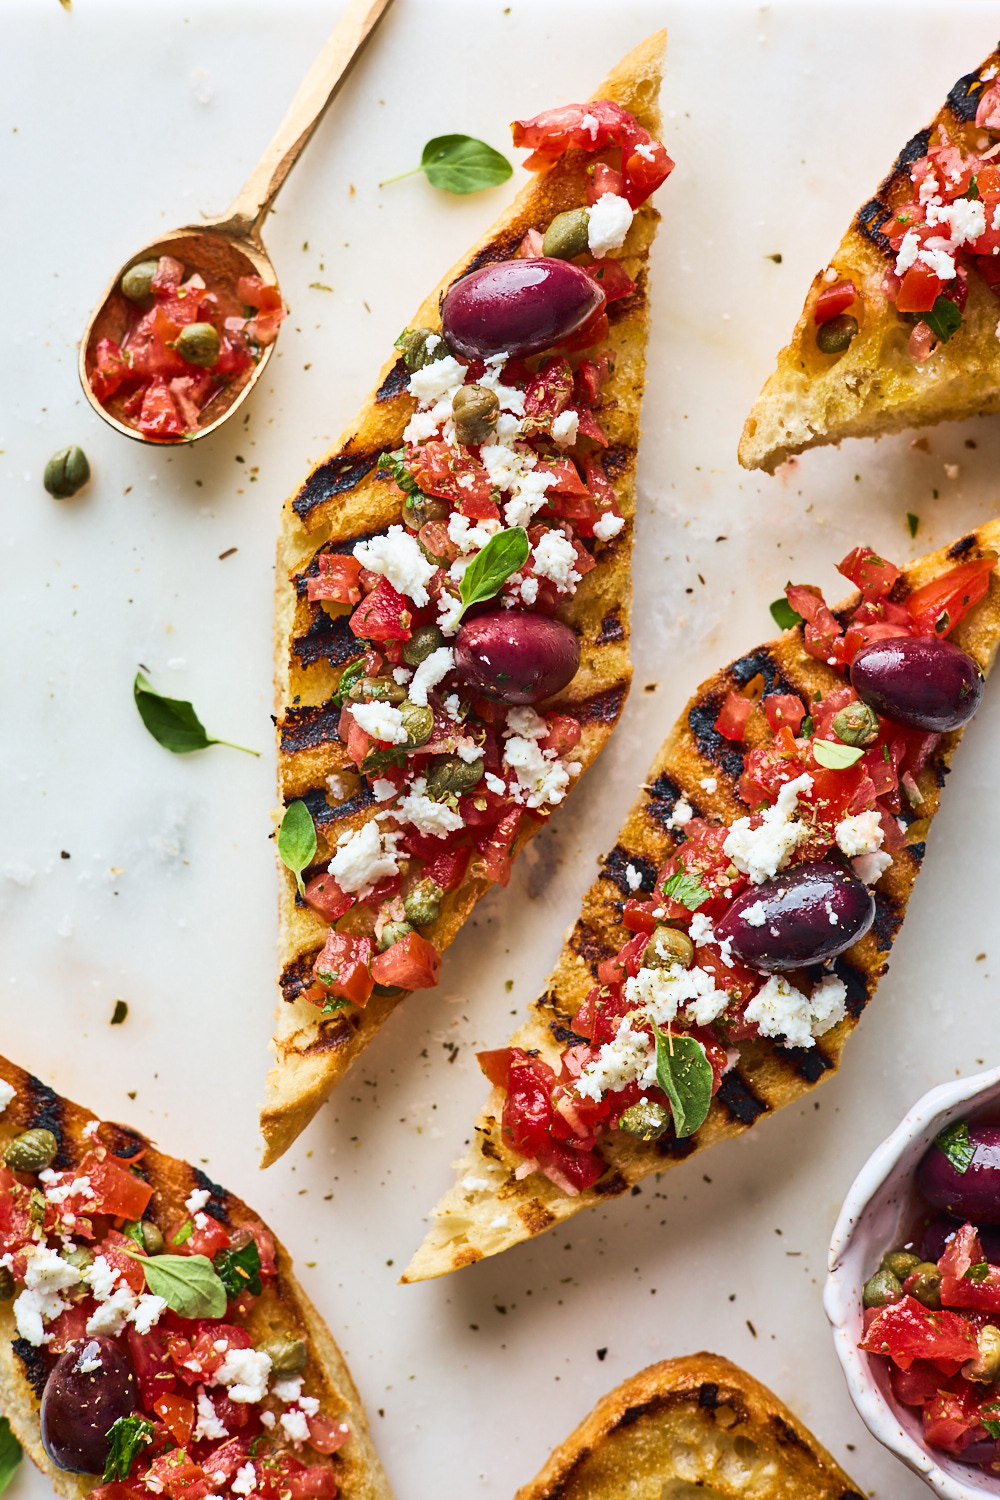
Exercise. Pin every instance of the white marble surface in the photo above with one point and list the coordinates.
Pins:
(119, 119)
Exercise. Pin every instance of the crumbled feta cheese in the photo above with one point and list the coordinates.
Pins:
(940, 262)
(540, 779)
(965, 217)
(827, 1004)
(430, 672)
(906, 256)
(504, 465)
(608, 526)
(781, 1010)
(197, 1200)
(89, 1359)
(309, 1405)
(861, 834)
(367, 856)
(589, 123)
(663, 993)
(529, 586)
(288, 1391)
(555, 558)
(610, 221)
(441, 378)
(526, 723)
(496, 784)
(295, 1426)
(701, 930)
(246, 1479)
(267, 1419)
(528, 496)
(428, 817)
(871, 867)
(755, 915)
(32, 1310)
(646, 152)
(468, 537)
(708, 784)
(46, 1271)
(500, 1222)
(149, 1310)
(245, 1372)
(111, 1315)
(450, 608)
(6, 1094)
(683, 813)
(467, 750)
(401, 675)
(633, 877)
(381, 720)
(762, 851)
(382, 790)
(510, 398)
(618, 1063)
(208, 1425)
(397, 556)
(475, 1184)
(565, 428)
(453, 707)
(421, 426)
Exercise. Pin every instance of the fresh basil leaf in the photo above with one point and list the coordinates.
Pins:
(991, 1424)
(189, 1284)
(978, 1274)
(459, 164)
(684, 1073)
(806, 727)
(173, 722)
(125, 1437)
(331, 1004)
(11, 1454)
(783, 615)
(297, 840)
(834, 755)
(944, 319)
(489, 570)
(684, 888)
(955, 1144)
(393, 464)
(184, 1233)
(348, 678)
(239, 1270)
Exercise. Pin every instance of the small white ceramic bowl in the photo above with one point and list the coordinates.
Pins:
(877, 1211)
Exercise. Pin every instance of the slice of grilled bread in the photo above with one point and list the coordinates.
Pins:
(489, 1209)
(342, 501)
(875, 387)
(697, 1428)
(283, 1310)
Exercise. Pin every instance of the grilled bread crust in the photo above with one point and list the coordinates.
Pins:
(344, 500)
(284, 1308)
(697, 1428)
(875, 387)
(471, 1221)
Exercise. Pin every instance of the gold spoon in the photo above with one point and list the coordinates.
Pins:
(226, 248)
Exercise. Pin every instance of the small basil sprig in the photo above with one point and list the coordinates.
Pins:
(944, 319)
(783, 615)
(459, 164)
(686, 889)
(684, 1073)
(125, 1438)
(173, 722)
(239, 1270)
(297, 840)
(489, 570)
(348, 678)
(954, 1143)
(11, 1454)
(188, 1284)
(834, 755)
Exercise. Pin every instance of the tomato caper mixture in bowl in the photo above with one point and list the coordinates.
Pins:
(739, 933)
(457, 608)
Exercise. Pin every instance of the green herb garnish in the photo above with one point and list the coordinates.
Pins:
(239, 1270)
(184, 1233)
(126, 1437)
(188, 1284)
(393, 464)
(119, 1013)
(912, 522)
(834, 755)
(807, 726)
(686, 889)
(11, 1454)
(783, 615)
(459, 164)
(173, 722)
(684, 1073)
(489, 570)
(348, 678)
(944, 319)
(978, 1274)
(297, 840)
(955, 1144)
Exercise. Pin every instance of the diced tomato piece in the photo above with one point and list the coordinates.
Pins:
(114, 1247)
(228, 1457)
(326, 1436)
(548, 393)
(702, 856)
(834, 300)
(477, 507)
(324, 895)
(527, 1110)
(153, 1365)
(383, 616)
(626, 962)
(177, 1413)
(948, 1419)
(338, 579)
(739, 981)
(117, 1191)
(343, 967)
(784, 709)
(564, 734)
(822, 632)
(612, 278)
(160, 416)
(447, 472)
(110, 369)
(938, 606)
(606, 179)
(588, 426)
(495, 851)
(906, 1330)
(733, 716)
(496, 1064)
(208, 1239)
(920, 290)
(176, 1475)
(315, 1482)
(590, 376)
(595, 331)
(413, 963)
(572, 1171)
(917, 1385)
(69, 1326)
(448, 870)
(869, 572)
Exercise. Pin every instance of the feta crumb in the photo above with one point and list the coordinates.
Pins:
(453, 707)
(871, 867)
(609, 223)
(245, 1372)
(46, 1271)
(401, 675)
(540, 779)
(365, 858)
(701, 930)
(309, 1405)
(633, 877)
(467, 749)
(665, 993)
(618, 1063)
(683, 813)
(708, 784)
(529, 586)
(500, 1222)
(197, 1200)
(397, 556)
(475, 1184)
(208, 1424)
(430, 672)
(555, 559)
(589, 123)
(526, 723)
(468, 537)
(246, 1478)
(608, 526)
(565, 428)
(381, 720)
(382, 790)
(111, 1315)
(32, 1310)
(762, 851)
(781, 1010)
(450, 609)
(862, 834)
(149, 1310)
(288, 1391)
(755, 915)
(428, 817)
(496, 784)
(89, 1359)
(6, 1094)
(295, 1426)
(441, 378)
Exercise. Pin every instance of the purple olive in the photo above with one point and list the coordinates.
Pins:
(802, 916)
(936, 1234)
(982, 1451)
(88, 1389)
(518, 307)
(516, 658)
(918, 681)
(970, 1195)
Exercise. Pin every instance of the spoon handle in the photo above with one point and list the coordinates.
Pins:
(315, 93)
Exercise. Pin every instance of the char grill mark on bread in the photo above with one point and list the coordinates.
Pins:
(767, 1076)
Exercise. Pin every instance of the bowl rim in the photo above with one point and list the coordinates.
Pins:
(885, 1175)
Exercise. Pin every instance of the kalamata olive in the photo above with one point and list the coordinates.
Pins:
(918, 681)
(973, 1194)
(88, 1389)
(516, 658)
(803, 915)
(936, 1234)
(980, 1452)
(518, 307)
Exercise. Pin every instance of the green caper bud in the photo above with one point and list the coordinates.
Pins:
(475, 409)
(393, 933)
(986, 1366)
(377, 689)
(926, 1285)
(7, 1284)
(568, 234)
(836, 334)
(32, 1151)
(421, 346)
(666, 947)
(857, 724)
(198, 344)
(137, 283)
(80, 1257)
(418, 721)
(881, 1289)
(419, 509)
(66, 472)
(450, 773)
(647, 1120)
(287, 1356)
(424, 640)
(152, 1237)
(423, 904)
(900, 1262)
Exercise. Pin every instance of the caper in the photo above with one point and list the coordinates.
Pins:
(450, 773)
(198, 344)
(424, 640)
(647, 1120)
(857, 724)
(7, 1284)
(423, 903)
(377, 689)
(986, 1367)
(926, 1285)
(418, 721)
(152, 1237)
(80, 1257)
(475, 409)
(137, 283)
(666, 947)
(900, 1262)
(32, 1151)
(66, 472)
(393, 933)
(421, 346)
(836, 334)
(287, 1356)
(419, 509)
(568, 234)
(881, 1289)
